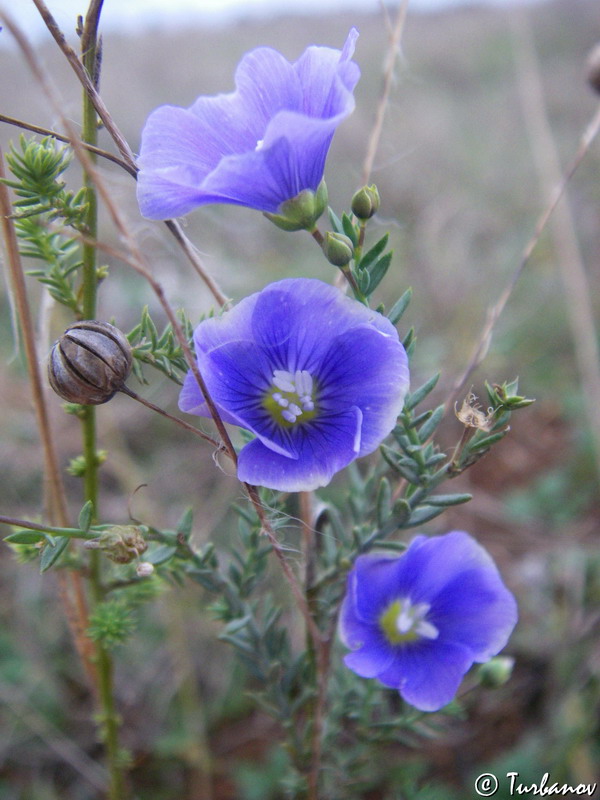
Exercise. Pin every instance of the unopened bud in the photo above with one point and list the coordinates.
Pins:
(365, 202)
(496, 672)
(144, 569)
(121, 543)
(338, 249)
(89, 363)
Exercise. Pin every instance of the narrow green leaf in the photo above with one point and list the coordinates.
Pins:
(160, 554)
(85, 516)
(423, 514)
(448, 499)
(421, 393)
(349, 229)
(26, 537)
(390, 456)
(378, 271)
(374, 253)
(50, 555)
(384, 502)
(428, 427)
(399, 307)
(487, 441)
(335, 221)
(184, 526)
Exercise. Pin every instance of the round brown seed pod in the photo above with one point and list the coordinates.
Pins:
(89, 363)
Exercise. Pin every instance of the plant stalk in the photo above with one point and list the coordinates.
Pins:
(109, 720)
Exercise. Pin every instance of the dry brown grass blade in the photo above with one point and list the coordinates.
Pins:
(388, 75)
(494, 312)
(71, 590)
(562, 227)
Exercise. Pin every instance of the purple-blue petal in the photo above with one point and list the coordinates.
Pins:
(374, 583)
(478, 611)
(258, 146)
(298, 319)
(367, 367)
(462, 597)
(327, 78)
(323, 449)
(428, 675)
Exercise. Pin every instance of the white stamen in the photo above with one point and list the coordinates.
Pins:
(412, 618)
(259, 144)
(284, 381)
(299, 384)
(427, 630)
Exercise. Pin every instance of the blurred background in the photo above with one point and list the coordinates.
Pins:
(487, 100)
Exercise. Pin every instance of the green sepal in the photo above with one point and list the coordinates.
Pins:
(301, 212)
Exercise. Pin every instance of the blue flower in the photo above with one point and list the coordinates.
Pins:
(317, 377)
(258, 146)
(419, 621)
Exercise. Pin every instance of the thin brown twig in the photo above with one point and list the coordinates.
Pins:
(85, 80)
(137, 262)
(576, 288)
(122, 145)
(182, 424)
(27, 126)
(388, 74)
(493, 313)
(192, 255)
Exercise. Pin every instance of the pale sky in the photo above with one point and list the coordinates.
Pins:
(172, 13)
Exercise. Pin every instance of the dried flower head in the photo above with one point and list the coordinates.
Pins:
(471, 415)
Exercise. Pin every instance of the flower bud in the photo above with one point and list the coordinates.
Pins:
(121, 543)
(89, 363)
(496, 672)
(365, 202)
(338, 249)
(144, 569)
(301, 212)
(593, 68)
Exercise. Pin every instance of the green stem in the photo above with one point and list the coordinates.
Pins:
(109, 720)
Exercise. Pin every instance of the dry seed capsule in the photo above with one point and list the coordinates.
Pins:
(89, 363)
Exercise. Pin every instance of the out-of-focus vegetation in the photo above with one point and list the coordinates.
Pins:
(456, 173)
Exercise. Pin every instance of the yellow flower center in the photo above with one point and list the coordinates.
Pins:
(404, 622)
(290, 400)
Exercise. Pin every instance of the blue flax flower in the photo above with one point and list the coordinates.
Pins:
(317, 377)
(419, 621)
(258, 146)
